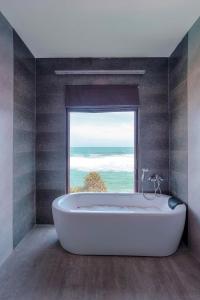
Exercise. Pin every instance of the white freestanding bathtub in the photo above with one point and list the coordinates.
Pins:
(118, 224)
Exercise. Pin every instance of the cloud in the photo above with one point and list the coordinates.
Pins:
(102, 129)
(102, 134)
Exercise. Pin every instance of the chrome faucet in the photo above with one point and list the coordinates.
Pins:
(156, 179)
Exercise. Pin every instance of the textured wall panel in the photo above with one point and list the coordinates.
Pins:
(51, 119)
(24, 140)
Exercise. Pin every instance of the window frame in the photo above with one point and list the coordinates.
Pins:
(136, 134)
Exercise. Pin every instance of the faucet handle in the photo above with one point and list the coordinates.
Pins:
(155, 177)
(159, 177)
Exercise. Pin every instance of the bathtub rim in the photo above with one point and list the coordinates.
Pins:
(179, 209)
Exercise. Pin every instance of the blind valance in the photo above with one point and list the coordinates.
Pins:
(102, 97)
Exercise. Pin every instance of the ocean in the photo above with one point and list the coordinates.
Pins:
(115, 165)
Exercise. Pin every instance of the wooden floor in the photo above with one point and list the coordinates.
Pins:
(39, 269)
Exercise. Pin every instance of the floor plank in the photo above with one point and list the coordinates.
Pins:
(39, 269)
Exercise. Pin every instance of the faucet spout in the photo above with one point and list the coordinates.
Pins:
(143, 173)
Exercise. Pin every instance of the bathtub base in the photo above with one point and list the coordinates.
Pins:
(131, 252)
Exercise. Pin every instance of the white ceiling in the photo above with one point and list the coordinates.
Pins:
(101, 28)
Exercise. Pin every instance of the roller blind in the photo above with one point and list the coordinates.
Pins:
(102, 97)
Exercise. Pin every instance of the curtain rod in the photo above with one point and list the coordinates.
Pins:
(100, 72)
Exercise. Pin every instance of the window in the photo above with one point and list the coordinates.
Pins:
(102, 151)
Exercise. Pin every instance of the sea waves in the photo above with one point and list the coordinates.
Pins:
(103, 163)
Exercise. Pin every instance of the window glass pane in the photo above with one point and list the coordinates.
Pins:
(102, 152)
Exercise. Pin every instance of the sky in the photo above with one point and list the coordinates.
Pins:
(111, 129)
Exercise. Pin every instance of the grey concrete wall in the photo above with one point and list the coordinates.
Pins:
(194, 137)
(51, 120)
(6, 139)
(178, 112)
(184, 100)
(17, 139)
(24, 140)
